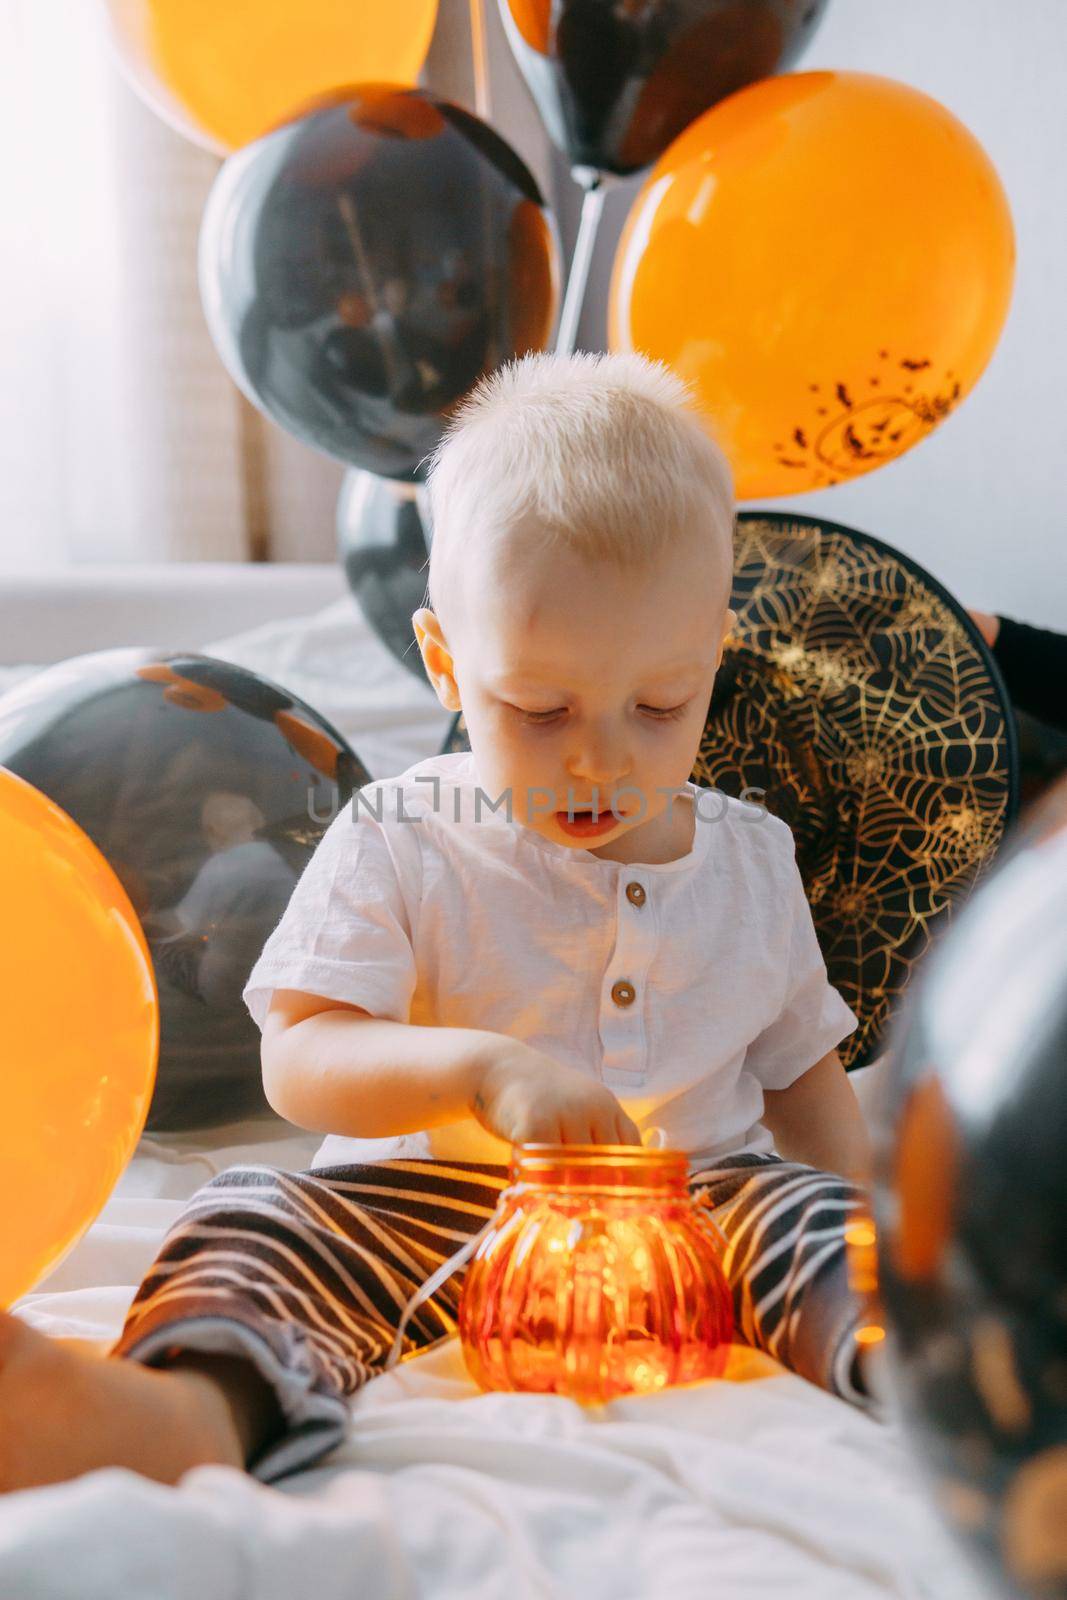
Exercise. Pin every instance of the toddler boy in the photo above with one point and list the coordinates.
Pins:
(556, 937)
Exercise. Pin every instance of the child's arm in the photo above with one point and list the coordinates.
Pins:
(333, 1068)
(818, 1120)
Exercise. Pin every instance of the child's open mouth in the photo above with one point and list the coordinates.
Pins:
(581, 824)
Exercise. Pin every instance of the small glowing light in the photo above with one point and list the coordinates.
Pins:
(602, 1280)
(871, 1334)
(645, 1378)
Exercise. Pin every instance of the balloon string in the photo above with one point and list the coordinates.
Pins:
(581, 261)
(432, 1284)
(366, 278)
(480, 57)
(359, 248)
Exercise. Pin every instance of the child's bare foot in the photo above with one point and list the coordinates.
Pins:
(64, 1412)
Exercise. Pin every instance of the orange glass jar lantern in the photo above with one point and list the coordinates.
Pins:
(599, 1276)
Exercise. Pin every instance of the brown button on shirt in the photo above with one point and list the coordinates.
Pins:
(635, 894)
(623, 993)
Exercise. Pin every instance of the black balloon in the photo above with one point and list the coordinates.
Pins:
(362, 266)
(971, 1205)
(382, 542)
(207, 789)
(616, 83)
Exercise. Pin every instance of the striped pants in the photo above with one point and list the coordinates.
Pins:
(306, 1275)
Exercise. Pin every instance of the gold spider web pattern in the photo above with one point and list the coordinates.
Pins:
(855, 697)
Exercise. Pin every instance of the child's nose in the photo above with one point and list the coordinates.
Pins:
(602, 761)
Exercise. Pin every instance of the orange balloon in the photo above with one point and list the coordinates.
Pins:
(80, 1022)
(828, 258)
(224, 71)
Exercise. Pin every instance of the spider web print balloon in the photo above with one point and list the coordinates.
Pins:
(857, 702)
(858, 696)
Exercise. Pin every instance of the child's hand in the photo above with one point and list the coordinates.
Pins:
(525, 1097)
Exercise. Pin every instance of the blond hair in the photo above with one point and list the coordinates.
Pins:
(604, 453)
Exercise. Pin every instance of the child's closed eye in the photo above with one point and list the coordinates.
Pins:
(658, 713)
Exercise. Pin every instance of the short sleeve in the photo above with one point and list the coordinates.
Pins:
(348, 930)
(813, 1018)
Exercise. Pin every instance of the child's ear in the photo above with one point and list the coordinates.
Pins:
(729, 623)
(437, 657)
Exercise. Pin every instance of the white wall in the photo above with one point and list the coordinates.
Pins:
(982, 503)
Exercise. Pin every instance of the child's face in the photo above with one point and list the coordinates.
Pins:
(581, 684)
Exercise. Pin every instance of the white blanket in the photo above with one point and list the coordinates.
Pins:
(759, 1486)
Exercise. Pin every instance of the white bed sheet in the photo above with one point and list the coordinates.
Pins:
(758, 1486)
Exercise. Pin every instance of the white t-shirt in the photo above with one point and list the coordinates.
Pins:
(445, 913)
